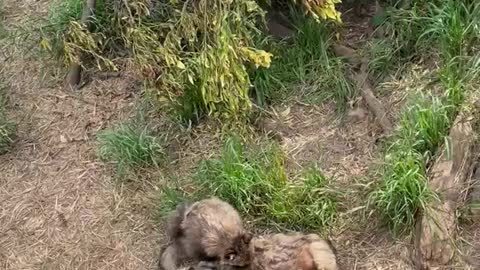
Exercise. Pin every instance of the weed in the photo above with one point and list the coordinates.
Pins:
(424, 125)
(130, 146)
(454, 24)
(405, 34)
(403, 191)
(305, 68)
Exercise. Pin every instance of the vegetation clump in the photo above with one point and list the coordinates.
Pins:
(130, 146)
(255, 183)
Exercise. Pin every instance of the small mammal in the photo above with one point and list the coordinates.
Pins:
(207, 230)
(285, 252)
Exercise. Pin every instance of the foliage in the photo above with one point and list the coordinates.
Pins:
(193, 53)
(130, 146)
(322, 9)
(62, 22)
(256, 184)
(304, 67)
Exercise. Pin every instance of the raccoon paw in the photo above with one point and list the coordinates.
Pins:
(204, 265)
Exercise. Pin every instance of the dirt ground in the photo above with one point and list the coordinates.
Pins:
(61, 209)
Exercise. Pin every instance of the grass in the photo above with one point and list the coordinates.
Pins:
(130, 146)
(383, 58)
(424, 126)
(312, 204)
(2, 29)
(304, 67)
(247, 180)
(403, 191)
(254, 181)
(7, 127)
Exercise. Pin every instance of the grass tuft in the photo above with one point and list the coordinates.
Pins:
(309, 205)
(403, 191)
(248, 180)
(304, 67)
(129, 147)
(254, 181)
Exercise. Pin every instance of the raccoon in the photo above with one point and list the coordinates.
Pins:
(208, 230)
(285, 252)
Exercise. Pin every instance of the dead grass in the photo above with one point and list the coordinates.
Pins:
(60, 209)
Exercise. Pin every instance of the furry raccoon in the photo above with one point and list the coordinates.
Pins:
(285, 252)
(207, 230)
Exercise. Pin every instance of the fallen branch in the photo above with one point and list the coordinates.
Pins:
(75, 73)
(449, 177)
(363, 83)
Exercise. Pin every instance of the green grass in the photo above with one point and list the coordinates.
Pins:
(448, 28)
(383, 58)
(7, 128)
(246, 179)
(311, 204)
(254, 181)
(2, 29)
(130, 146)
(305, 68)
(403, 190)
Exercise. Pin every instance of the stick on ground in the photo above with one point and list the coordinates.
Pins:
(366, 88)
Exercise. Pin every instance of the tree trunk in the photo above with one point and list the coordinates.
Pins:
(449, 177)
(75, 73)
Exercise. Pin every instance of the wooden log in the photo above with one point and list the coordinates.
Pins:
(449, 177)
(74, 75)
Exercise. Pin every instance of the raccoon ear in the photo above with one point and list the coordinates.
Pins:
(247, 237)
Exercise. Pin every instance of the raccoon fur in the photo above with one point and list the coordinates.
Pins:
(207, 230)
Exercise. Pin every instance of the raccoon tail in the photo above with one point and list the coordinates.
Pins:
(323, 255)
(174, 229)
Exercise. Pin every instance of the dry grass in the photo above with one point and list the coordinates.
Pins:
(60, 209)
